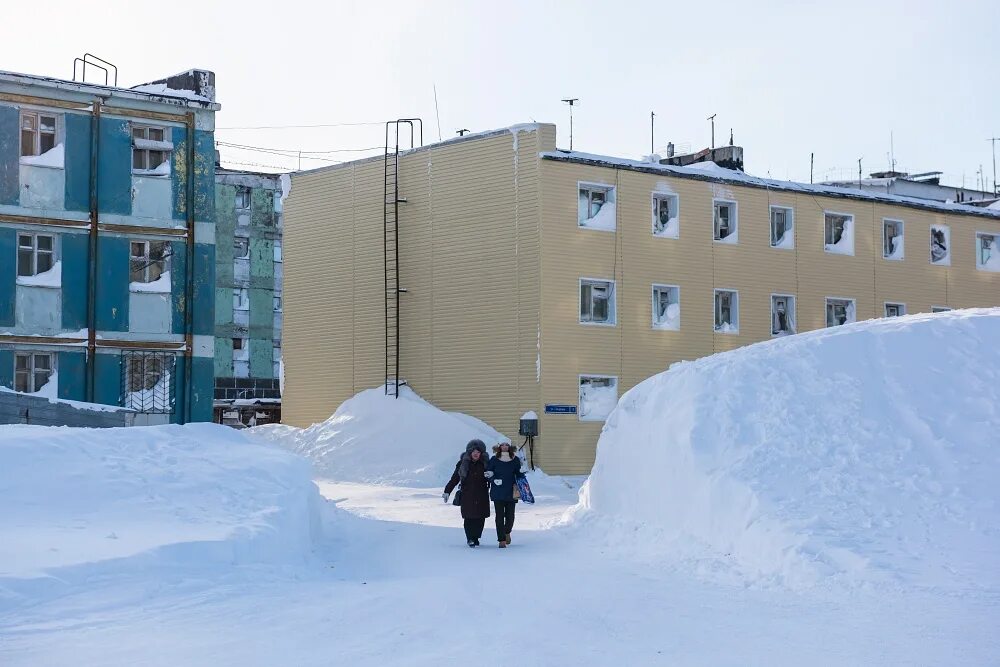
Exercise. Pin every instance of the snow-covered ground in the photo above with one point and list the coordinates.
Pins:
(756, 508)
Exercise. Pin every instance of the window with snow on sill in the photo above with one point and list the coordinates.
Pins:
(159, 286)
(839, 233)
(892, 239)
(988, 252)
(51, 278)
(54, 158)
(782, 315)
(941, 245)
(596, 208)
(666, 307)
(782, 228)
(666, 218)
(840, 312)
(727, 314)
(598, 397)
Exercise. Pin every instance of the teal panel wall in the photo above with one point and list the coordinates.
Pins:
(180, 374)
(178, 280)
(204, 289)
(10, 151)
(72, 375)
(204, 176)
(77, 145)
(8, 275)
(114, 167)
(108, 379)
(203, 388)
(7, 368)
(112, 284)
(223, 357)
(76, 276)
(178, 169)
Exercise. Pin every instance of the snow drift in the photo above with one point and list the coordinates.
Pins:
(377, 439)
(868, 452)
(191, 494)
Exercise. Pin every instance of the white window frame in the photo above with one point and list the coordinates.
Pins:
(734, 221)
(655, 305)
(979, 249)
(675, 207)
(241, 298)
(826, 306)
(35, 252)
(789, 225)
(901, 306)
(241, 192)
(30, 372)
(941, 309)
(36, 140)
(579, 402)
(612, 302)
(146, 258)
(850, 218)
(734, 308)
(902, 239)
(144, 146)
(610, 198)
(930, 241)
(790, 314)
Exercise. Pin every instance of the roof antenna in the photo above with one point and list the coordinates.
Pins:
(652, 133)
(712, 118)
(437, 112)
(462, 132)
(571, 101)
(730, 136)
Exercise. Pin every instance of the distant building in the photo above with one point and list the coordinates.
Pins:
(926, 185)
(107, 255)
(248, 309)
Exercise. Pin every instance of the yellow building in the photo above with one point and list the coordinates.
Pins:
(551, 281)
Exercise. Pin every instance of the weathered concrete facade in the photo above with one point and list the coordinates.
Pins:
(248, 297)
(107, 244)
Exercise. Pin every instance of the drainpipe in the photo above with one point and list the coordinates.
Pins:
(95, 133)
(189, 278)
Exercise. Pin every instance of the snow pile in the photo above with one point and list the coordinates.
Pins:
(377, 439)
(54, 158)
(669, 319)
(159, 286)
(192, 494)
(50, 278)
(605, 218)
(865, 453)
(787, 240)
(597, 401)
(897, 248)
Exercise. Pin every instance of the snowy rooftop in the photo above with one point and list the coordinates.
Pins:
(144, 92)
(709, 171)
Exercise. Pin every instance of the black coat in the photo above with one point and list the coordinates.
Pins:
(475, 494)
(504, 475)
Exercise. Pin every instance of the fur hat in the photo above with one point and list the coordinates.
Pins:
(511, 448)
(475, 444)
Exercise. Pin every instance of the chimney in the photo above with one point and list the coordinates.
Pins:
(201, 82)
(670, 149)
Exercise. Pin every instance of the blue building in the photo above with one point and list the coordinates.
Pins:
(107, 243)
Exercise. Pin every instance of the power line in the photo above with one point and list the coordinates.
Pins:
(255, 164)
(296, 151)
(288, 127)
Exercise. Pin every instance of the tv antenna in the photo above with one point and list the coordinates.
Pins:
(712, 119)
(571, 101)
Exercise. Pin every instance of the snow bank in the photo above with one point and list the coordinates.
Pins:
(858, 454)
(50, 278)
(55, 157)
(192, 494)
(159, 286)
(377, 439)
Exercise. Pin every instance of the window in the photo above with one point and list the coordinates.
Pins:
(596, 208)
(147, 385)
(895, 309)
(243, 200)
(666, 307)
(241, 298)
(725, 221)
(276, 350)
(892, 239)
(150, 149)
(666, 220)
(941, 245)
(727, 313)
(277, 303)
(35, 254)
(38, 133)
(839, 233)
(31, 371)
(237, 343)
(148, 260)
(987, 252)
(241, 248)
(277, 251)
(598, 397)
(597, 301)
(940, 309)
(840, 311)
(782, 314)
(782, 227)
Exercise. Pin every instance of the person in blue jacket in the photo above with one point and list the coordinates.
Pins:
(502, 471)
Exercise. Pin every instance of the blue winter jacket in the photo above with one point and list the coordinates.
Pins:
(504, 474)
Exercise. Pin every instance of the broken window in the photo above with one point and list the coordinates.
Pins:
(277, 303)
(147, 385)
(988, 252)
(242, 198)
(237, 343)
(35, 253)
(725, 220)
(727, 311)
(782, 314)
(277, 250)
(666, 222)
(598, 397)
(840, 311)
(892, 239)
(781, 227)
(241, 248)
(596, 208)
(38, 133)
(895, 309)
(148, 260)
(31, 371)
(839, 233)
(241, 298)
(666, 307)
(597, 301)
(940, 245)
(151, 149)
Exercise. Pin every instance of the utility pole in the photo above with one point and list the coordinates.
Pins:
(652, 133)
(712, 119)
(859, 171)
(994, 141)
(571, 101)
(812, 159)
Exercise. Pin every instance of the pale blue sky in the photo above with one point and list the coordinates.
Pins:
(789, 77)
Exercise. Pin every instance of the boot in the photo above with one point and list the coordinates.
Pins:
(508, 539)
(471, 543)
(503, 545)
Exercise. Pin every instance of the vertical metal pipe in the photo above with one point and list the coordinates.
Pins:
(95, 133)
(189, 277)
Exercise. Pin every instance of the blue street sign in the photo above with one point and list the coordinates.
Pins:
(551, 408)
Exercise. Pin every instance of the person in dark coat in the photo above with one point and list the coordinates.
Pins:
(502, 471)
(470, 474)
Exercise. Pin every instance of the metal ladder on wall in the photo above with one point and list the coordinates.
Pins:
(390, 227)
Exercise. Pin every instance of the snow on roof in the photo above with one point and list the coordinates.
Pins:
(162, 89)
(187, 98)
(719, 174)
